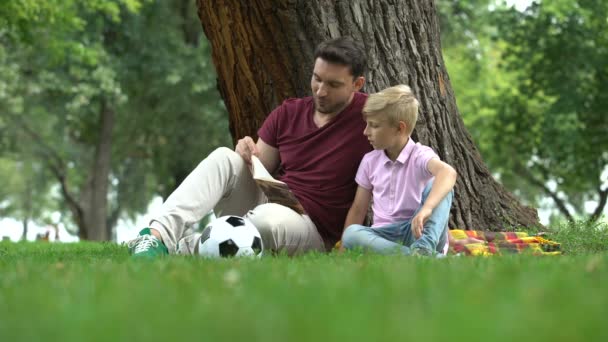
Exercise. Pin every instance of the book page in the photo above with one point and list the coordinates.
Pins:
(259, 171)
(275, 190)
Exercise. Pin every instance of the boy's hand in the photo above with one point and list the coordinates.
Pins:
(419, 220)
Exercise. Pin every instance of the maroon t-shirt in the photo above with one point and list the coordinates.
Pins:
(319, 164)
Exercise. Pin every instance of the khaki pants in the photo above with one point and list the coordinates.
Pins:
(223, 182)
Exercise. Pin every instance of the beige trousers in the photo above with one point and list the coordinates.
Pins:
(223, 182)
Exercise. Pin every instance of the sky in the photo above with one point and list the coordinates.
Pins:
(519, 4)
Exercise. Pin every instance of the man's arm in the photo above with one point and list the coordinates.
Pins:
(269, 156)
(358, 210)
(445, 178)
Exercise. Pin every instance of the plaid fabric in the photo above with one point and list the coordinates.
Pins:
(502, 243)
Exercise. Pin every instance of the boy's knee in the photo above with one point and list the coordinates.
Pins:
(350, 237)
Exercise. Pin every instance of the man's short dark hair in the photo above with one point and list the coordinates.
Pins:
(345, 51)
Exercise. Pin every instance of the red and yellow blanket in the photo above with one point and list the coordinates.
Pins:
(500, 243)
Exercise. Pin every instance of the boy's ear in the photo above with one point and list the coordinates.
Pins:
(402, 127)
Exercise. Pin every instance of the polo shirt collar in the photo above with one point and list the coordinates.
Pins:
(404, 155)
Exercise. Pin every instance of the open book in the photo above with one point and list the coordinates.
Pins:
(276, 191)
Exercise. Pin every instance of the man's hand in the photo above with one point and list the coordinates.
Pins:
(419, 220)
(246, 148)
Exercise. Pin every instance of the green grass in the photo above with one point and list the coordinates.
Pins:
(95, 292)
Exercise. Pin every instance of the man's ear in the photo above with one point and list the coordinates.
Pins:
(359, 82)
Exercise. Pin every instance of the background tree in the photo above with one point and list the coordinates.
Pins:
(263, 53)
(111, 104)
(529, 87)
(559, 50)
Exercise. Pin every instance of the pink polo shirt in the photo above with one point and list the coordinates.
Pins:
(396, 186)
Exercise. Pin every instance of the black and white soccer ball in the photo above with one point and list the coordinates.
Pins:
(230, 236)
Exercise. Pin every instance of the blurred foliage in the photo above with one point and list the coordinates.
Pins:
(581, 237)
(62, 61)
(529, 85)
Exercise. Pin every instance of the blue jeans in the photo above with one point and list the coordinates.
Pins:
(398, 237)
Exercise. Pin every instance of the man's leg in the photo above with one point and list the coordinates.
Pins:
(435, 231)
(281, 229)
(223, 180)
(284, 230)
(383, 240)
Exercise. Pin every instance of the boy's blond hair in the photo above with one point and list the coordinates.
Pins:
(397, 103)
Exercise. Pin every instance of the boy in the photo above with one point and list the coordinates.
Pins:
(411, 187)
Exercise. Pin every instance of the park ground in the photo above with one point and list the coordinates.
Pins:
(96, 292)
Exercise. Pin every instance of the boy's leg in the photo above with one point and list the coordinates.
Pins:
(221, 180)
(383, 240)
(435, 230)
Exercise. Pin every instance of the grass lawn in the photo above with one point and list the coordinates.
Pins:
(95, 292)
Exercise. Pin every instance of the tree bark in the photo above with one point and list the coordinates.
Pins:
(263, 53)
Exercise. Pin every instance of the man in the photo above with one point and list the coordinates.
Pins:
(315, 143)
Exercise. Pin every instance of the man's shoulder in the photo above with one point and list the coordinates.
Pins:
(361, 96)
(293, 106)
(359, 99)
(297, 101)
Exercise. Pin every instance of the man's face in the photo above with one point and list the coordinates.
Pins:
(333, 86)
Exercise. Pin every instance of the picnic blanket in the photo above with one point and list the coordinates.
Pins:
(502, 243)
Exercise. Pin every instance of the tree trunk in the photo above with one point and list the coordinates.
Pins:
(263, 53)
(94, 199)
(25, 222)
(27, 211)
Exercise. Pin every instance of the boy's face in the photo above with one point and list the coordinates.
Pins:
(333, 86)
(381, 133)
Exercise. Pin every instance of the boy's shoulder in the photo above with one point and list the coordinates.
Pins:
(371, 160)
(373, 156)
(421, 148)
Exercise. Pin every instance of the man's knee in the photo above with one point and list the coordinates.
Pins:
(226, 161)
(226, 154)
(351, 235)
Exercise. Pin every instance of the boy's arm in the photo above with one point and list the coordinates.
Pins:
(445, 178)
(358, 210)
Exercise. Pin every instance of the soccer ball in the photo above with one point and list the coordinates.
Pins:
(230, 236)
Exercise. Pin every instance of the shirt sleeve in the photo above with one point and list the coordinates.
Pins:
(362, 177)
(270, 128)
(424, 155)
